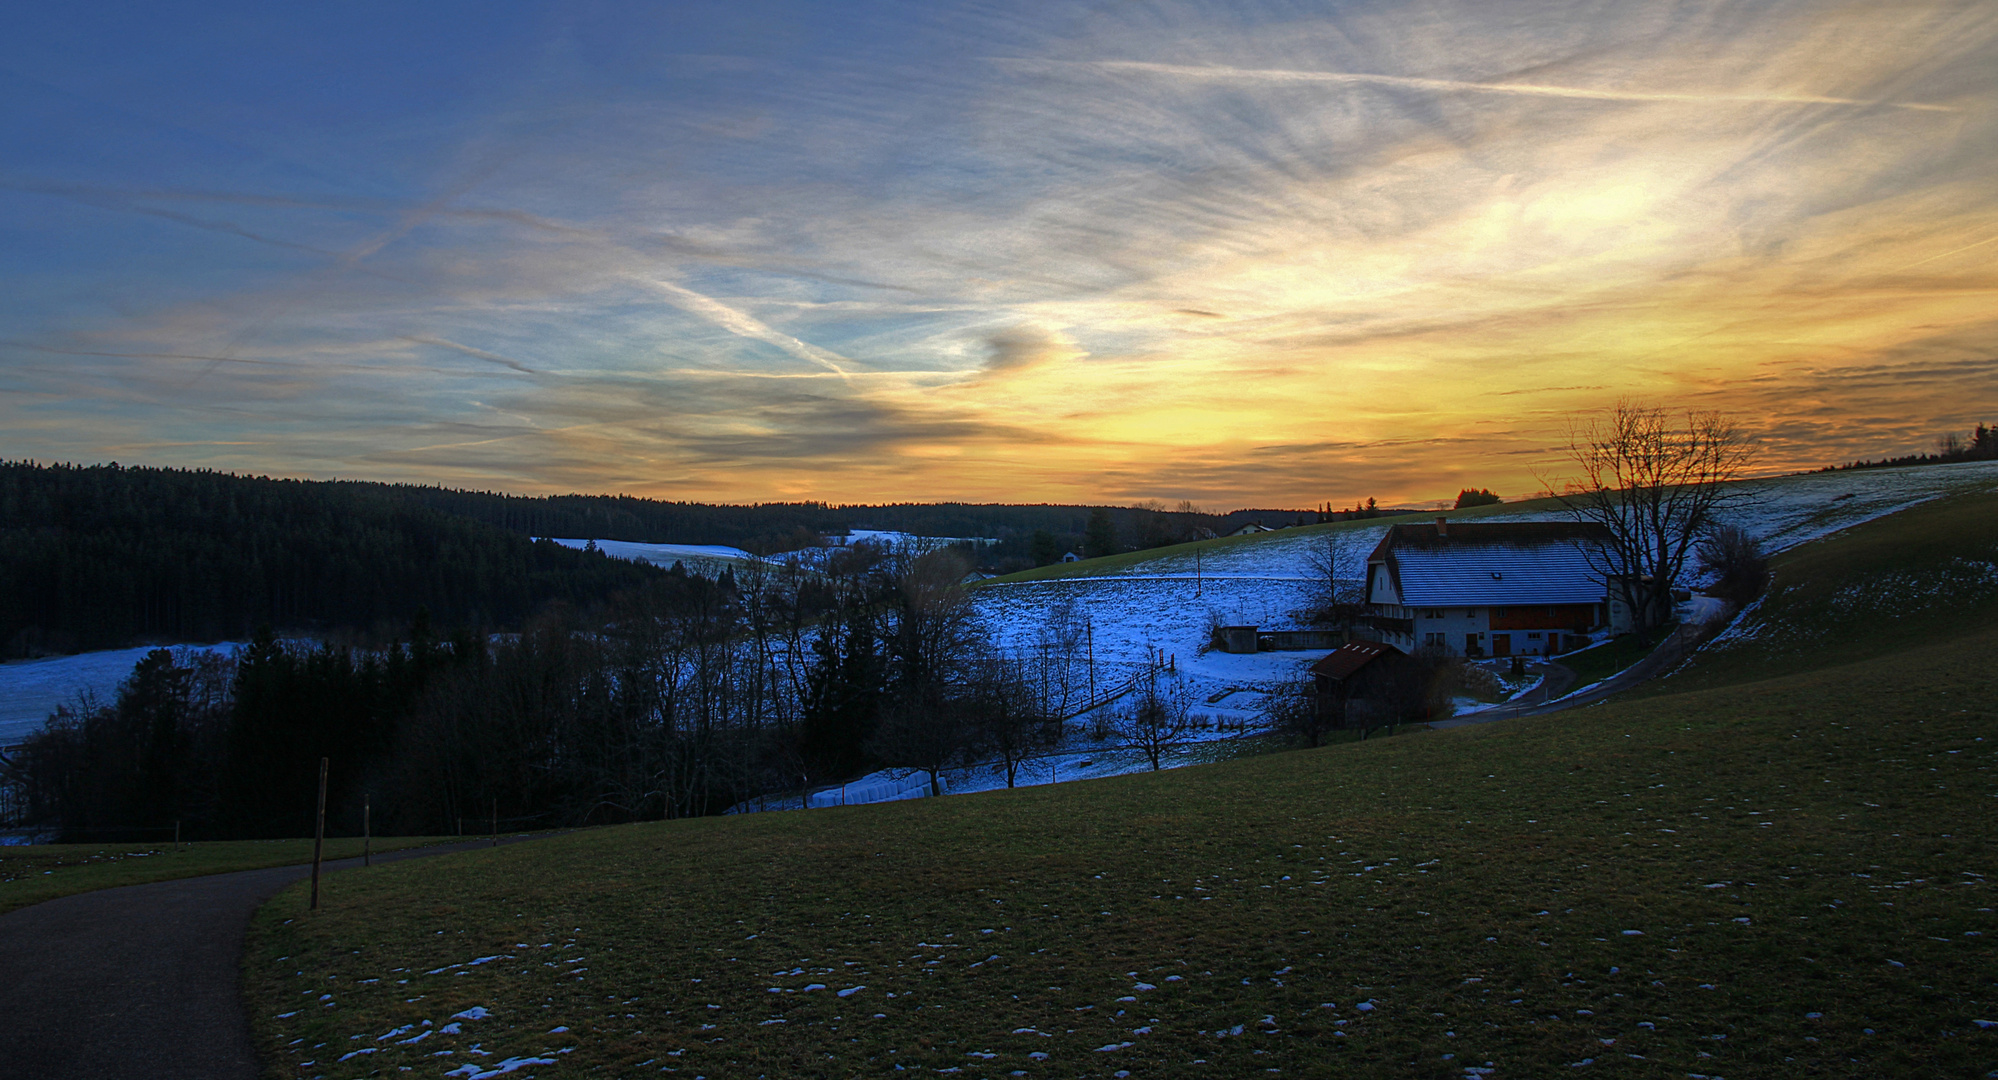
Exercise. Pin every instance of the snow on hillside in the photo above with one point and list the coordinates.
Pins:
(1158, 605)
(1791, 510)
(660, 554)
(902, 541)
(31, 689)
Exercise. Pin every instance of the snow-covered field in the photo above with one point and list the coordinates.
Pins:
(1158, 605)
(661, 554)
(31, 689)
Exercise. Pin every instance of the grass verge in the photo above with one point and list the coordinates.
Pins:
(32, 873)
(1596, 664)
(1786, 878)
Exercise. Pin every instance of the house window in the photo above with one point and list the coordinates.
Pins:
(1470, 613)
(1498, 613)
(1432, 613)
(1534, 636)
(1432, 639)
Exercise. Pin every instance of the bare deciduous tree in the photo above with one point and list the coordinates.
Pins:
(1654, 487)
(933, 635)
(1011, 718)
(1336, 594)
(1158, 716)
(1293, 707)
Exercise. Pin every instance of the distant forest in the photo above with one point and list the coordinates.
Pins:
(106, 555)
(770, 528)
(103, 556)
(1981, 445)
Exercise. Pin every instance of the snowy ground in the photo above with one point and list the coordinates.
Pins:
(1080, 757)
(661, 554)
(31, 689)
(1159, 606)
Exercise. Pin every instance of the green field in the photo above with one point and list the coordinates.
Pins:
(1779, 877)
(32, 873)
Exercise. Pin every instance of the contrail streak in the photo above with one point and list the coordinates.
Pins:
(746, 325)
(489, 357)
(1354, 78)
(1946, 254)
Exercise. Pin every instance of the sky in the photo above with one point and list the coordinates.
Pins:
(1242, 253)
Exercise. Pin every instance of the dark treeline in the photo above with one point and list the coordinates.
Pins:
(683, 697)
(1026, 533)
(768, 528)
(102, 556)
(1980, 445)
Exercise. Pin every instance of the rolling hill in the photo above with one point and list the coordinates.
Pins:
(1782, 867)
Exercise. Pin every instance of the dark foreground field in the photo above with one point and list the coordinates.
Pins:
(1787, 877)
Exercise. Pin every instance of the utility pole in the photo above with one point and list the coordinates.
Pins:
(1090, 628)
(319, 835)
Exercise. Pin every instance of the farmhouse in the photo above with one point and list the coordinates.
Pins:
(1489, 588)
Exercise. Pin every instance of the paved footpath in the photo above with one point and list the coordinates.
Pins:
(143, 981)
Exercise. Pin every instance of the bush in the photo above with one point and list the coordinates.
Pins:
(1734, 557)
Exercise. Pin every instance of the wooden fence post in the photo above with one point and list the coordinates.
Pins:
(367, 831)
(319, 835)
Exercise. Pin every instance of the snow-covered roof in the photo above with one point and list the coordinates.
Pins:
(1491, 564)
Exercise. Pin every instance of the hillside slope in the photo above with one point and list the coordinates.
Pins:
(1163, 601)
(1926, 574)
(1784, 877)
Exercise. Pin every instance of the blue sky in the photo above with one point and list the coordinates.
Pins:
(1237, 253)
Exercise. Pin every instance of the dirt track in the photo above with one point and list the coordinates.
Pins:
(143, 981)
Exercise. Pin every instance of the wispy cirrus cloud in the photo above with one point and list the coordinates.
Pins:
(1255, 254)
(1217, 73)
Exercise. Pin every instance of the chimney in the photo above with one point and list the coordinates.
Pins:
(1442, 528)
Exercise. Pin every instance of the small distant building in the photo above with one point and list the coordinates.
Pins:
(1490, 588)
(1251, 529)
(1248, 639)
(1071, 557)
(1238, 639)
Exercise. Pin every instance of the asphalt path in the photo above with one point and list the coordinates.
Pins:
(143, 980)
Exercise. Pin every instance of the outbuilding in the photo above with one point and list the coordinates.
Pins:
(1366, 683)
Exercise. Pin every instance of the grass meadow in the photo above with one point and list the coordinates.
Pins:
(1751, 876)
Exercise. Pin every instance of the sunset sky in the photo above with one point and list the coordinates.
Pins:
(1239, 253)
